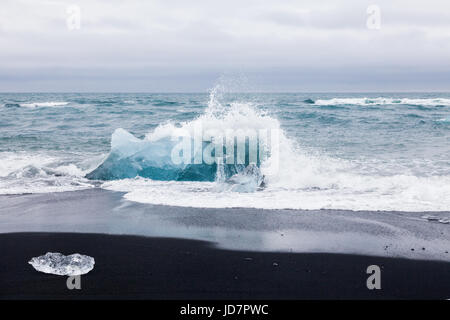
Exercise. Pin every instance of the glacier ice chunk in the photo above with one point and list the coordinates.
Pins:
(131, 157)
(59, 264)
(249, 179)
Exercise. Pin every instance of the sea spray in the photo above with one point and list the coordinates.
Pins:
(302, 179)
(217, 145)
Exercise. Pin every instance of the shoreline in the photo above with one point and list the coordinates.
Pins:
(136, 267)
(368, 233)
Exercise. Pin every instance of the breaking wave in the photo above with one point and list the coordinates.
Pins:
(22, 173)
(143, 169)
(383, 101)
(44, 104)
(310, 174)
(152, 157)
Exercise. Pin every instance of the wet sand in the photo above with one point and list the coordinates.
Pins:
(384, 234)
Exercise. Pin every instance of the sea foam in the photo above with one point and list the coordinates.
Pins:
(44, 104)
(302, 180)
(24, 172)
(383, 101)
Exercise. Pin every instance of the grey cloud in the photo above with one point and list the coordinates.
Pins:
(282, 45)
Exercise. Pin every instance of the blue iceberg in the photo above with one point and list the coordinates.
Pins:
(131, 157)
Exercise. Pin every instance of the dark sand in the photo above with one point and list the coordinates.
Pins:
(383, 234)
(132, 267)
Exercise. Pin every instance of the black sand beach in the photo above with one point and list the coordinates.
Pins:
(160, 252)
(133, 267)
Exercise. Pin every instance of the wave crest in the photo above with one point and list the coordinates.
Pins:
(383, 101)
(44, 104)
(152, 157)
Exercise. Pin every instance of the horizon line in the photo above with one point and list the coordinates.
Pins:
(207, 91)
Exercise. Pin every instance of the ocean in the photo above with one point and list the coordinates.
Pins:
(349, 151)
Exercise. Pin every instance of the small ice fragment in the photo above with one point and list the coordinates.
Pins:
(430, 217)
(248, 180)
(59, 264)
(444, 220)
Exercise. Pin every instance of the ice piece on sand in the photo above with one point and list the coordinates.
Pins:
(430, 217)
(59, 264)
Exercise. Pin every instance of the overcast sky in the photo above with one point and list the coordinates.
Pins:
(179, 46)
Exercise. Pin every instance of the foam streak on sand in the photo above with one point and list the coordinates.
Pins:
(393, 234)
